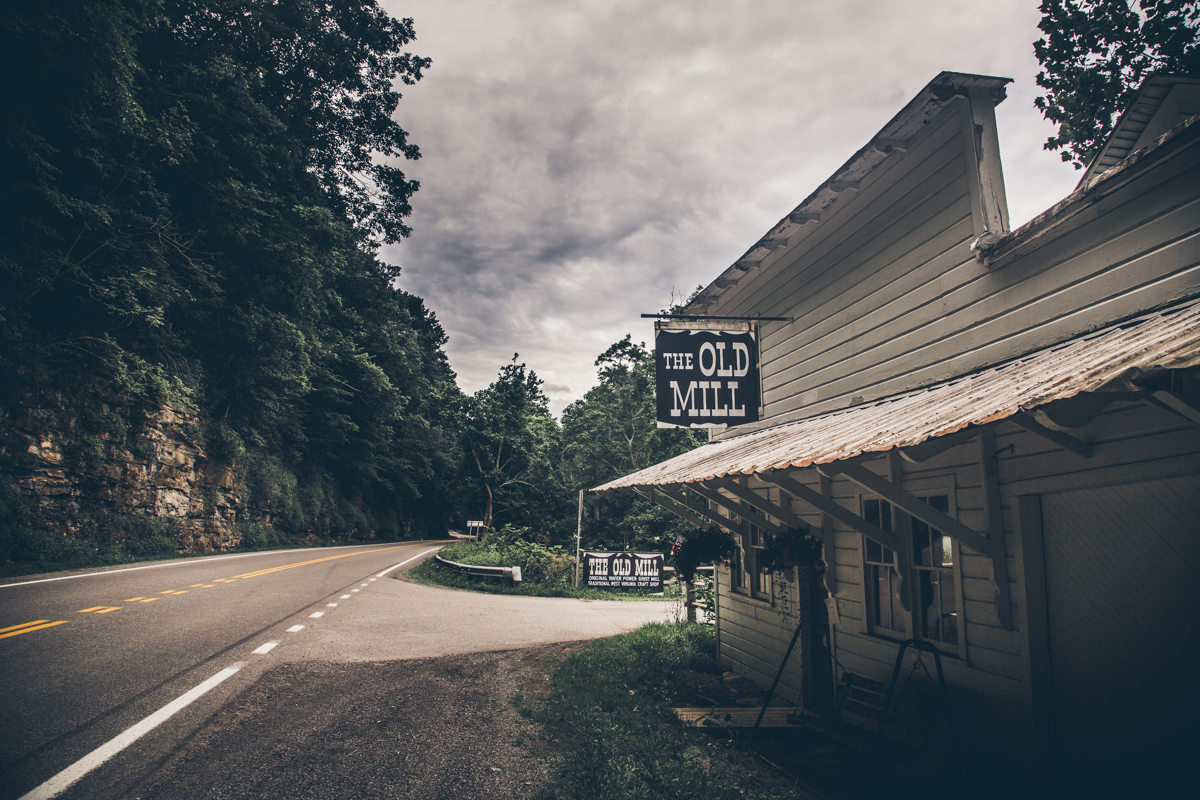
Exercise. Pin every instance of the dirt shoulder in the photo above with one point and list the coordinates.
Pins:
(420, 729)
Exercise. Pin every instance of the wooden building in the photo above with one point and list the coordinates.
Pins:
(994, 435)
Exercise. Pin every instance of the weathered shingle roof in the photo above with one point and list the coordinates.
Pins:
(1098, 361)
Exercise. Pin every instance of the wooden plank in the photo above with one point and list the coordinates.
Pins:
(994, 204)
(844, 224)
(915, 506)
(941, 342)
(675, 494)
(735, 717)
(749, 496)
(994, 526)
(831, 507)
(927, 264)
(735, 506)
(1060, 438)
(653, 496)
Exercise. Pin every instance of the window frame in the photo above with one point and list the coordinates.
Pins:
(923, 488)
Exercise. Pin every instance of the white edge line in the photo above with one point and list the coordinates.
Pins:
(191, 561)
(65, 779)
(402, 563)
(264, 649)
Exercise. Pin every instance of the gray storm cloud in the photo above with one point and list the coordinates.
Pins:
(584, 161)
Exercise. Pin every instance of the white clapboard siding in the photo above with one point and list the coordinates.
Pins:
(886, 295)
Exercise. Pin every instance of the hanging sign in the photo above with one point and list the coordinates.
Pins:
(640, 572)
(706, 378)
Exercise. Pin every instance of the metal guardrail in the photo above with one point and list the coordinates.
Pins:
(482, 572)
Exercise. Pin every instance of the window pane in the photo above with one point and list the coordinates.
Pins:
(874, 551)
(871, 512)
(947, 551)
(889, 556)
(921, 555)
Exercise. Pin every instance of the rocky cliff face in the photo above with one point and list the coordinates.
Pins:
(115, 458)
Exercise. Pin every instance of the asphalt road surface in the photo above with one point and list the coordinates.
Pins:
(105, 675)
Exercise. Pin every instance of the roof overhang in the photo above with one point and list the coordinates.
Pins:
(1126, 359)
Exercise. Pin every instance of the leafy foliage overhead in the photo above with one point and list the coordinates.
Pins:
(1094, 55)
(194, 192)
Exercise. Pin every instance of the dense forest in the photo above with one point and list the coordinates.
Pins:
(195, 192)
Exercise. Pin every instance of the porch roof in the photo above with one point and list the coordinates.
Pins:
(1118, 358)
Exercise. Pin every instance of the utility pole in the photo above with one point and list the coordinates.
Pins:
(578, 532)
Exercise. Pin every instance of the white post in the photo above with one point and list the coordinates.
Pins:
(578, 532)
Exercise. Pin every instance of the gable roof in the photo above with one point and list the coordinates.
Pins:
(1160, 103)
(903, 128)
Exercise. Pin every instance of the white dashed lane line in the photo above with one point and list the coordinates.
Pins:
(344, 597)
(266, 648)
(316, 614)
(356, 590)
(295, 629)
(332, 605)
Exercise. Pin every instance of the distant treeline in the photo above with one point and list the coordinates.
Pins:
(194, 195)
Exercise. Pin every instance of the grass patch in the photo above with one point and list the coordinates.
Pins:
(431, 572)
(609, 713)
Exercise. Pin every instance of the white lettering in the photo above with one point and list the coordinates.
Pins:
(733, 410)
(689, 361)
(740, 350)
(703, 387)
(718, 409)
(722, 370)
(712, 353)
(682, 402)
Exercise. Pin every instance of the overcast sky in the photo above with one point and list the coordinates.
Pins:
(584, 162)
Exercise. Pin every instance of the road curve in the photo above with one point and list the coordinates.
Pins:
(107, 676)
(85, 658)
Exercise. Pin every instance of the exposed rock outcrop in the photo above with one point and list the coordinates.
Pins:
(114, 457)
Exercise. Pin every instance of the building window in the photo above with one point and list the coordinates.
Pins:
(760, 585)
(884, 610)
(933, 565)
(932, 575)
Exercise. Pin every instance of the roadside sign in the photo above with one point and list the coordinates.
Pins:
(636, 572)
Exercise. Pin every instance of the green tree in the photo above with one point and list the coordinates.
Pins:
(194, 194)
(511, 444)
(613, 431)
(1094, 55)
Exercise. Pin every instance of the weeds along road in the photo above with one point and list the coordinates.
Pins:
(89, 661)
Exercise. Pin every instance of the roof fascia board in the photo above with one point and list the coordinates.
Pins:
(1126, 122)
(893, 138)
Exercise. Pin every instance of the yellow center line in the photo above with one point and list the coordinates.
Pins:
(148, 600)
(34, 628)
(105, 611)
(167, 591)
(23, 624)
(93, 608)
(134, 599)
(313, 561)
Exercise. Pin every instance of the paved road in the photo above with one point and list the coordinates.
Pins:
(88, 661)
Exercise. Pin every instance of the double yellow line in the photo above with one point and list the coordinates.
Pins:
(39, 624)
(314, 561)
(26, 627)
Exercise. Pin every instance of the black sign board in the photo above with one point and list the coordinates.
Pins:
(706, 378)
(640, 572)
